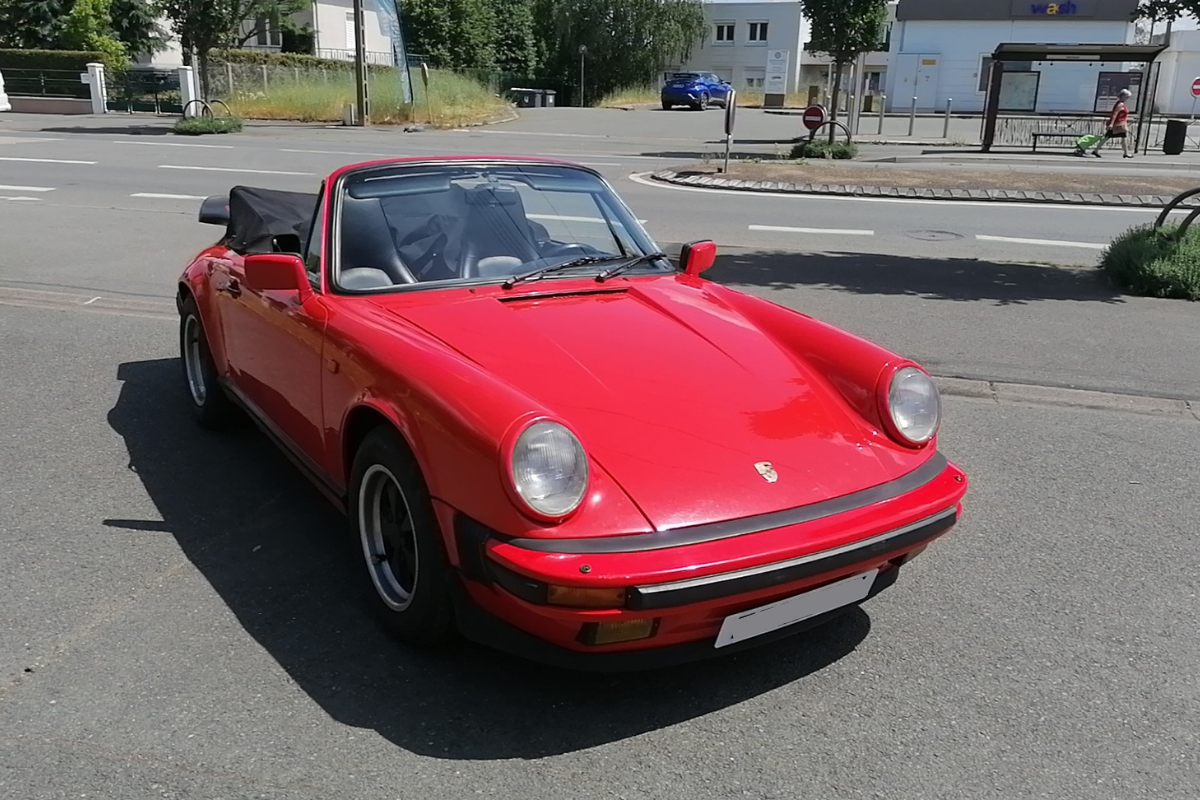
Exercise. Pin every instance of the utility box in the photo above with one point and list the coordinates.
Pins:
(1176, 137)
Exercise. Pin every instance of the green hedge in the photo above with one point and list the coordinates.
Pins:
(1156, 263)
(72, 60)
(821, 148)
(283, 60)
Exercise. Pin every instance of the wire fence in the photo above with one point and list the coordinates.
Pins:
(45, 83)
(1017, 131)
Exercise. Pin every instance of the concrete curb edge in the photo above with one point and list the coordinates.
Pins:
(849, 190)
(1004, 393)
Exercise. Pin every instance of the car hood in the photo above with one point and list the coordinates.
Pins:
(675, 395)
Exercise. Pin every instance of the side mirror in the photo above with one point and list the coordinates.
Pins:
(276, 272)
(696, 257)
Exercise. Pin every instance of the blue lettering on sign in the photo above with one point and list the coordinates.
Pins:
(1053, 9)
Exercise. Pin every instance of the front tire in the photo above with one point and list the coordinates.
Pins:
(703, 106)
(211, 407)
(403, 563)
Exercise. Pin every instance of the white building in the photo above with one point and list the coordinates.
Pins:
(740, 36)
(1179, 69)
(940, 50)
(332, 23)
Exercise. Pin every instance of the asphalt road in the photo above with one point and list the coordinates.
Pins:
(176, 617)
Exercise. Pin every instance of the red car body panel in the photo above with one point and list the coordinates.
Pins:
(675, 386)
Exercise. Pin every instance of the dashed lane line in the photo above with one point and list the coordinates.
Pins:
(235, 169)
(173, 144)
(833, 231)
(1040, 242)
(45, 160)
(8, 188)
(157, 196)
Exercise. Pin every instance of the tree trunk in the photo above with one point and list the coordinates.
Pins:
(203, 67)
(833, 110)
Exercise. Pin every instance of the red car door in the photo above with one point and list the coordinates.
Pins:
(274, 345)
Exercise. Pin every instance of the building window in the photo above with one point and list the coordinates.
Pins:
(351, 27)
(985, 70)
(754, 83)
(758, 32)
(267, 32)
(724, 33)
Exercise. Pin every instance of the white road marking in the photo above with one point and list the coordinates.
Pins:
(835, 231)
(598, 163)
(1040, 242)
(44, 160)
(25, 139)
(175, 144)
(233, 169)
(344, 153)
(538, 133)
(156, 196)
(621, 156)
(89, 302)
(15, 199)
(641, 178)
(4, 188)
(563, 218)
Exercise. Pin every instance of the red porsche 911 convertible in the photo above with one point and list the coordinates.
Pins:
(547, 436)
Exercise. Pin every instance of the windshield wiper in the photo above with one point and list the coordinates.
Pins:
(574, 262)
(631, 263)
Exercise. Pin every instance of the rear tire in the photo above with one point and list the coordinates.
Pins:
(404, 569)
(211, 406)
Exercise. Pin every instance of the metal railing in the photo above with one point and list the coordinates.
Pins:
(145, 90)
(45, 83)
(373, 56)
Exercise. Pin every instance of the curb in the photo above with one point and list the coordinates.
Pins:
(849, 190)
(1028, 394)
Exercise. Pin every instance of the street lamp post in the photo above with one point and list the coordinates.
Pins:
(582, 53)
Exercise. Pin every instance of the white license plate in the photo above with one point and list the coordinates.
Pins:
(782, 613)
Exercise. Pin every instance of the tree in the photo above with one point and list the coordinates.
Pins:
(88, 26)
(30, 24)
(844, 29)
(628, 42)
(518, 48)
(202, 25)
(135, 24)
(1168, 10)
(454, 34)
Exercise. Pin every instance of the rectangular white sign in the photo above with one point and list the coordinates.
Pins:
(777, 71)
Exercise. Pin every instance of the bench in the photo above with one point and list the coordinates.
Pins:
(1054, 135)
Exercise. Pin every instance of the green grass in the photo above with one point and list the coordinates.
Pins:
(198, 126)
(1155, 263)
(820, 148)
(453, 99)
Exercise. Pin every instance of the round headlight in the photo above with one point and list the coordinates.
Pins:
(915, 405)
(549, 469)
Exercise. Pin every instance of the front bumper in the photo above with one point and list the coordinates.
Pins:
(687, 581)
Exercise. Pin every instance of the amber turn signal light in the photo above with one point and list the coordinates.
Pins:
(590, 597)
(622, 631)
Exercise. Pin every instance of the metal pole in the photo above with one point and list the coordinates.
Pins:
(728, 140)
(946, 127)
(882, 105)
(582, 53)
(912, 116)
(360, 64)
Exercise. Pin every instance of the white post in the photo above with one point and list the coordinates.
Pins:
(882, 103)
(912, 116)
(946, 127)
(98, 90)
(188, 91)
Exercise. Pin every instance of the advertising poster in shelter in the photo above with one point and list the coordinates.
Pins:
(1019, 91)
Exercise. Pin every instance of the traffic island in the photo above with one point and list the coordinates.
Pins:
(1155, 262)
(825, 177)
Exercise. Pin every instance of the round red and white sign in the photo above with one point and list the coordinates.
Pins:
(814, 117)
(1196, 88)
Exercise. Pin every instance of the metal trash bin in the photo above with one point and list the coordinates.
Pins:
(525, 98)
(1175, 138)
(548, 97)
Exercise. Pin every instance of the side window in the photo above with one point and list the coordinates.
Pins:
(312, 243)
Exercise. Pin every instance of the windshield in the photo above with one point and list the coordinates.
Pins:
(448, 224)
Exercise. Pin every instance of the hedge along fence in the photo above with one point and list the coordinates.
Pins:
(53, 60)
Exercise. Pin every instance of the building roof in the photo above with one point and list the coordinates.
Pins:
(1032, 51)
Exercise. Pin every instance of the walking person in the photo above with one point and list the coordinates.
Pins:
(1118, 127)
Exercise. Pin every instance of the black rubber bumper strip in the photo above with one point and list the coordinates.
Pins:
(726, 584)
(699, 534)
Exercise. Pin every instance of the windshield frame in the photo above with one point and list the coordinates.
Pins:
(635, 233)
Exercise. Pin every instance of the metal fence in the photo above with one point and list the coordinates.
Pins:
(373, 57)
(1017, 131)
(145, 90)
(45, 83)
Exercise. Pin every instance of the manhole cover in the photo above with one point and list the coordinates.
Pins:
(933, 236)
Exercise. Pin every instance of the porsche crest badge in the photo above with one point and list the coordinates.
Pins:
(767, 471)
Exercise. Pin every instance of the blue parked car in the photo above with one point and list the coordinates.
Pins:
(694, 89)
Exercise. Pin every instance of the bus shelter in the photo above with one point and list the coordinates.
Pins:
(1009, 52)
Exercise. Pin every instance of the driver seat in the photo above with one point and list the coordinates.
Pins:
(498, 235)
(367, 244)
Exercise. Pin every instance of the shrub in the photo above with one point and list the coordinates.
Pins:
(820, 148)
(66, 60)
(198, 126)
(1155, 263)
(273, 59)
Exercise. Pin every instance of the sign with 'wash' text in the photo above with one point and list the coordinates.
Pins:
(1070, 9)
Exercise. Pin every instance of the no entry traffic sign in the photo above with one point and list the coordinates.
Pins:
(814, 117)
(1196, 88)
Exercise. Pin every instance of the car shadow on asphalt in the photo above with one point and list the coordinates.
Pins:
(280, 557)
(930, 278)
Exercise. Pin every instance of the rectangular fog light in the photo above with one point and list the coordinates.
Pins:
(623, 631)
